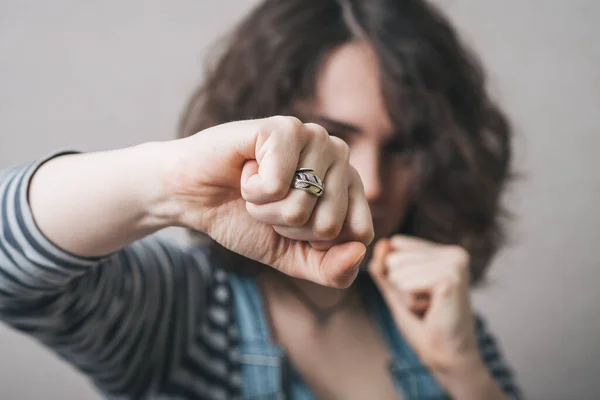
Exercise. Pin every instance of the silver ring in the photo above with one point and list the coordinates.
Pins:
(305, 179)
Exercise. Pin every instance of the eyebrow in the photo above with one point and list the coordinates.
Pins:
(344, 127)
(336, 125)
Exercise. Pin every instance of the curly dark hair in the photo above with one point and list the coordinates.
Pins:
(434, 90)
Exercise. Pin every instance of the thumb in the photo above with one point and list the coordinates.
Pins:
(336, 267)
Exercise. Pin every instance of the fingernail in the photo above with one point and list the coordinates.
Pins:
(359, 259)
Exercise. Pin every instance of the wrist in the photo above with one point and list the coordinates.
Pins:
(155, 166)
(468, 378)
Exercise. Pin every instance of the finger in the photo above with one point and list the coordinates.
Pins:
(283, 212)
(296, 208)
(298, 220)
(402, 259)
(377, 267)
(318, 156)
(335, 267)
(331, 210)
(404, 317)
(250, 168)
(416, 278)
(449, 297)
(278, 147)
(415, 287)
(451, 308)
(419, 304)
(441, 287)
(359, 222)
(379, 271)
(359, 219)
(404, 242)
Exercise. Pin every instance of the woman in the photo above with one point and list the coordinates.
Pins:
(395, 146)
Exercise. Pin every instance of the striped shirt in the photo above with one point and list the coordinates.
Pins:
(153, 320)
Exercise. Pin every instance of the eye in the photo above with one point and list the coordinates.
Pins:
(397, 146)
(399, 153)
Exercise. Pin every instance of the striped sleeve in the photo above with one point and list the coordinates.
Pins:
(126, 320)
(492, 357)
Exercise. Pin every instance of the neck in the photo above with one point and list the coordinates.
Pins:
(322, 296)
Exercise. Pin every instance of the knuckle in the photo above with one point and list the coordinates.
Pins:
(355, 178)
(287, 125)
(277, 120)
(403, 286)
(295, 121)
(367, 235)
(452, 280)
(292, 123)
(363, 232)
(327, 230)
(396, 237)
(460, 255)
(319, 134)
(275, 189)
(295, 216)
(341, 148)
(311, 126)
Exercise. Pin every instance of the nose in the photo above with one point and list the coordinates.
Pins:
(366, 160)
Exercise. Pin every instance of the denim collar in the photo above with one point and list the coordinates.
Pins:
(265, 366)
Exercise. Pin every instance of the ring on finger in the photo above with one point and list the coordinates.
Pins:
(305, 179)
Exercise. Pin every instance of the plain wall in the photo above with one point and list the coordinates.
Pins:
(98, 75)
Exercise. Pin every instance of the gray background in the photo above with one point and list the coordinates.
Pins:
(97, 75)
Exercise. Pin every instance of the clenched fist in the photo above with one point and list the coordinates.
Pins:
(233, 181)
(426, 286)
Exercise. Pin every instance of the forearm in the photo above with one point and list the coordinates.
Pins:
(94, 204)
(62, 299)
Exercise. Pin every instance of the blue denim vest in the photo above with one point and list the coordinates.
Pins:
(265, 366)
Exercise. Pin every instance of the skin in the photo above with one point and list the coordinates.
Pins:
(232, 181)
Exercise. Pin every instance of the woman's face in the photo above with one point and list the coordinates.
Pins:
(349, 104)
